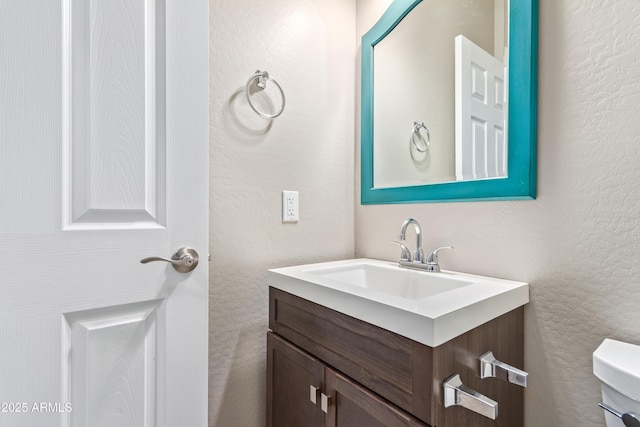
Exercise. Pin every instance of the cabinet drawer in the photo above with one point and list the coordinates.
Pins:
(396, 368)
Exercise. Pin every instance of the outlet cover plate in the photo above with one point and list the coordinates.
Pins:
(290, 206)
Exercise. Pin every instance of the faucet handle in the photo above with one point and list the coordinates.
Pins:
(432, 258)
(406, 253)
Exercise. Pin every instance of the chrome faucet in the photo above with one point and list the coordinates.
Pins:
(418, 260)
(418, 254)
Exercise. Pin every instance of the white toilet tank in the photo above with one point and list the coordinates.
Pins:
(617, 365)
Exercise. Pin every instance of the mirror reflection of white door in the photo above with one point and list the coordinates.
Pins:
(481, 143)
(103, 162)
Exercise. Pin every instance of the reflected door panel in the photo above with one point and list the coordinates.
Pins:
(481, 146)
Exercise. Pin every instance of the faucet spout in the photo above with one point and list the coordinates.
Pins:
(418, 255)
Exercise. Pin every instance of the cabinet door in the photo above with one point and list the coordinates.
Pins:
(351, 405)
(290, 374)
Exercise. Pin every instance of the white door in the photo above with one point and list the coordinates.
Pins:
(481, 143)
(103, 162)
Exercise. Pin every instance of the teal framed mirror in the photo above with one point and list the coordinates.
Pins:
(518, 180)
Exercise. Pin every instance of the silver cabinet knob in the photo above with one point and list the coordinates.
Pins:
(457, 394)
(324, 402)
(184, 260)
(313, 394)
(492, 367)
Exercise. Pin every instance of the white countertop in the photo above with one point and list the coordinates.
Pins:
(454, 303)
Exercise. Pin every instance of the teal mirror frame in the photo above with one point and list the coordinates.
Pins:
(520, 182)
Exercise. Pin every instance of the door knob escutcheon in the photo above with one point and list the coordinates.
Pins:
(184, 260)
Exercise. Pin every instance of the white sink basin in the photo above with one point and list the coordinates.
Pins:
(409, 284)
(430, 308)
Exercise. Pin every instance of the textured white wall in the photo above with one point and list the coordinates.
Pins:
(309, 47)
(578, 244)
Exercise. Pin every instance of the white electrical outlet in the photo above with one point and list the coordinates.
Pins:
(289, 206)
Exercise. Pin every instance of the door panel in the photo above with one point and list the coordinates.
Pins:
(481, 148)
(113, 117)
(114, 364)
(103, 162)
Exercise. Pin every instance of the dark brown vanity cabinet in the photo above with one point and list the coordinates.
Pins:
(366, 376)
(339, 401)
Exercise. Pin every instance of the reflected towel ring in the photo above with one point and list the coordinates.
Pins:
(416, 131)
(263, 77)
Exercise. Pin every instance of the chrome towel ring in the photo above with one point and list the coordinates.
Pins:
(263, 77)
(424, 146)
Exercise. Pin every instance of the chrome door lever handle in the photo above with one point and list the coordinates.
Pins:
(457, 394)
(184, 260)
(492, 367)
